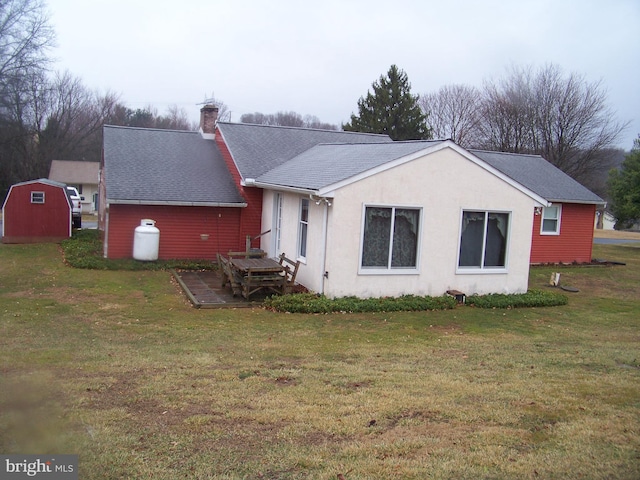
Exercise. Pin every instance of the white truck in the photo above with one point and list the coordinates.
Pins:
(76, 206)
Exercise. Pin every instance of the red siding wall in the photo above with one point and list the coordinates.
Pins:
(251, 217)
(183, 230)
(26, 222)
(575, 242)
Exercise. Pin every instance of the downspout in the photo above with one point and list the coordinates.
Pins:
(325, 221)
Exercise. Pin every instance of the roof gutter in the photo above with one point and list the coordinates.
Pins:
(251, 182)
(581, 202)
(111, 201)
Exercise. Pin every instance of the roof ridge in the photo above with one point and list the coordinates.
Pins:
(506, 153)
(390, 142)
(126, 127)
(287, 127)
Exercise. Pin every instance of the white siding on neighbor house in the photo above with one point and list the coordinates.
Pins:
(442, 184)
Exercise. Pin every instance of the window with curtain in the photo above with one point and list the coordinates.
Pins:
(550, 223)
(483, 240)
(390, 238)
(302, 228)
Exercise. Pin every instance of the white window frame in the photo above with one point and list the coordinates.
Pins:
(485, 269)
(389, 270)
(37, 197)
(276, 228)
(303, 230)
(558, 208)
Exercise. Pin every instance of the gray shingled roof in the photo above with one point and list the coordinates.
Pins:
(74, 172)
(165, 166)
(256, 149)
(328, 164)
(539, 176)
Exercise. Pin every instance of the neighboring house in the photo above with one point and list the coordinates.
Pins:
(604, 220)
(562, 231)
(36, 211)
(83, 176)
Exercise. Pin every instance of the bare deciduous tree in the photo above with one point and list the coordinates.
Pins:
(25, 37)
(453, 112)
(563, 118)
(286, 119)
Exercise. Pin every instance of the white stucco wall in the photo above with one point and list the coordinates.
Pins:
(310, 271)
(443, 184)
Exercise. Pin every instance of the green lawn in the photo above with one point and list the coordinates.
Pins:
(116, 366)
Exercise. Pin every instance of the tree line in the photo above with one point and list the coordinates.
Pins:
(47, 115)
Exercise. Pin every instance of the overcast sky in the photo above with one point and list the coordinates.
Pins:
(318, 58)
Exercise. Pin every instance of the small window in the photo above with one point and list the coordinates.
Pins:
(37, 197)
(390, 239)
(303, 227)
(483, 240)
(550, 223)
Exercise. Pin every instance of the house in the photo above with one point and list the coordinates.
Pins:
(79, 174)
(396, 218)
(562, 231)
(36, 211)
(604, 220)
(365, 216)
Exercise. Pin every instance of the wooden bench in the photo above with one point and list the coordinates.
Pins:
(290, 272)
(229, 275)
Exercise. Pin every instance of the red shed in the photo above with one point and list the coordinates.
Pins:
(36, 211)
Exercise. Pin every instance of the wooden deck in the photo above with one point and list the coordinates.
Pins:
(204, 290)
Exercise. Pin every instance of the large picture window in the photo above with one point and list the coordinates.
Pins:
(550, 223)
(390, 238)
(302, 228)
(483, 240)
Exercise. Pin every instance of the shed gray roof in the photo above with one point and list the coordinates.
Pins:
(327, 164)
(152, 166)
(256, 149)
(539, 176)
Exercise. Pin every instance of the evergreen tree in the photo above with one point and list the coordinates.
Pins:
(391, 109)
(624, 188)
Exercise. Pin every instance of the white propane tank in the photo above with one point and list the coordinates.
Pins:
(146, 241)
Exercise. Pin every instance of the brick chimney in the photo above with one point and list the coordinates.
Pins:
(208, 119)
